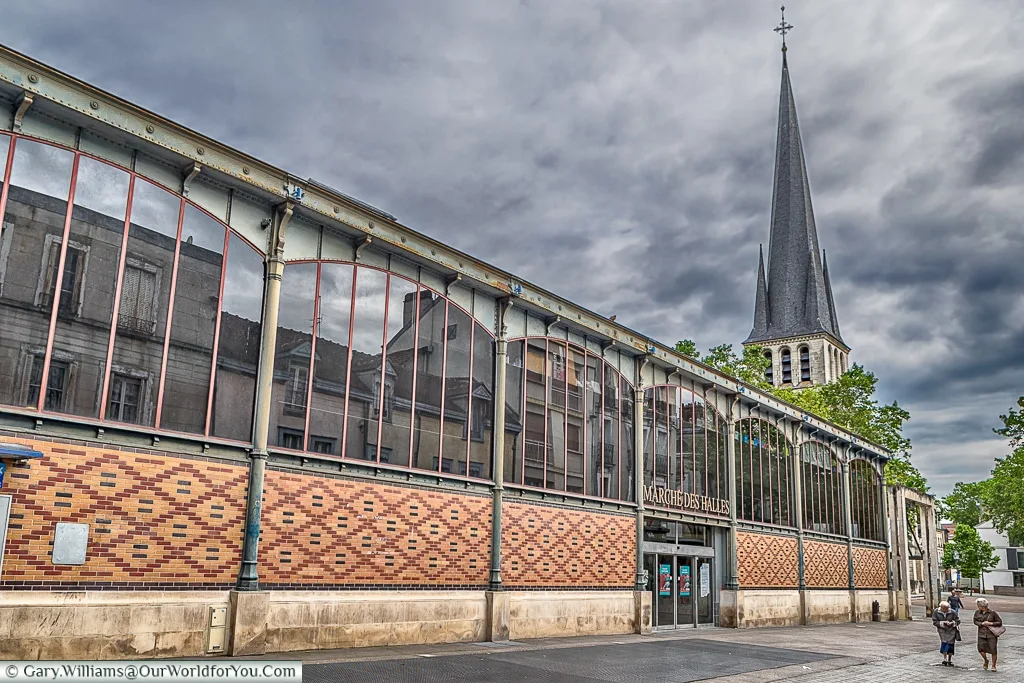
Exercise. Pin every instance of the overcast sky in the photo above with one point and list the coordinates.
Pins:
(620, 154)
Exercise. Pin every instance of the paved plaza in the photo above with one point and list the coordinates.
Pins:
(848, 653)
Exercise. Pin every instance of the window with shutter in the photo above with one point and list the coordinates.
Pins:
(138, 292)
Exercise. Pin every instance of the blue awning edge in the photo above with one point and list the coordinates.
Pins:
(15, 451)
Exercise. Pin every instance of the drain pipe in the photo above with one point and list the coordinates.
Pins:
(248, 579)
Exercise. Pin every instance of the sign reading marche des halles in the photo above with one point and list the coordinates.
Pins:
(659, 495)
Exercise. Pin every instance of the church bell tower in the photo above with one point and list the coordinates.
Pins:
(794, 312)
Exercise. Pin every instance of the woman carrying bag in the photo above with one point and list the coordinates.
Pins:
(945, 622)
(990, 627)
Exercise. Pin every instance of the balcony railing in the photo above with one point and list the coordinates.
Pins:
(133, 324)
(537, 452)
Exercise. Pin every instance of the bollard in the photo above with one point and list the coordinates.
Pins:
(876, 611)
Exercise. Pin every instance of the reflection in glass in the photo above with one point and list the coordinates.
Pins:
(763, 474)
(366, 385)
(86, 305)
(144, 303)
(611, 433)
(396, 423)
(193, 323)
(594, 404)
(458, 350)
(430, 347)
(628, 443)
(482, 407)
(238, 346)
(514, 379)
(556, 378)
(5, 146)
(30, 246)
(292, 356)
(575, 427)
(330, 369)
(865, 501)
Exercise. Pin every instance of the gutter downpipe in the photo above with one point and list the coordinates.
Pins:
(248, 579)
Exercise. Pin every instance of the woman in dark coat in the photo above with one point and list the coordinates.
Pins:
(987, 640)
(945, 621)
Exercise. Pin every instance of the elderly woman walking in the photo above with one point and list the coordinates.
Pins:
(946, 621)
(990, 627)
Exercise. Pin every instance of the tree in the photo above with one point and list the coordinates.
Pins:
(968, 553)
(749, 368)
(963, 504)
(1003, 493)
(687, 347)
(1013, 425)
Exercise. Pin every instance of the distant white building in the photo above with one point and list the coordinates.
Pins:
(1010, 570)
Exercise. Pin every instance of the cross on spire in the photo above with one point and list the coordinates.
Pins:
(783, 28)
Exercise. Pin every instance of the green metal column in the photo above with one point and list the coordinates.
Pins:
(732, 578)
(498, 433)
(638, 467)
(248, 579)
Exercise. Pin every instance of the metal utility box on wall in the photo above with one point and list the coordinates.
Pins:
(217, 635)
(69, 543)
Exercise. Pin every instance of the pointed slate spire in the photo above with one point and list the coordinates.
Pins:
(797, 294)
(828, 294)
(761, 301)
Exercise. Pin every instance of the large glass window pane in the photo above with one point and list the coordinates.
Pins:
(575, 427)
(681, 425)
(611, 434)
(367, 382)
(555, 436)
(30, 240)
(627, 490)
(536, 453)
(595, 430)
(144, 304)
(330, 368)
(482, 405)
(458, 343)
(649, 437)
(193, 323)
(396, 423)
(86, 305)
(514, 379)
(238, 346)
(699, 466)
(292, 354)
(430, 344)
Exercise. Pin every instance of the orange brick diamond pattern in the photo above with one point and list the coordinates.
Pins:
(826, 565)
(335, 532)
(870, 569)
(153, 519)
(553, 547)
(766, 561)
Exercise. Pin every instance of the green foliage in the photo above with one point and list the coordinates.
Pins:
(687, 347)
(1003, 494)
(1013, 425)
(748, 368)
(966, 551)
(899, 471)
(963, 505)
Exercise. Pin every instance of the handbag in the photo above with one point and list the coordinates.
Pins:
(997, 630)
(958, 637)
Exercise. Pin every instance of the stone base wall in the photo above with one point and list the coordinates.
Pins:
(862, 604)
(553, 614)
(105, 625)
(756, 608)
(827, 607)
(317, 620)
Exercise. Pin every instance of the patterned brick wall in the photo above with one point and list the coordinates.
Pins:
(320, 530)
(154, 519)
(826, 565)
(870, 569)
(553, 547)
(766, 561)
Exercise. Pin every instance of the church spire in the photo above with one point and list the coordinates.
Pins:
(798, 295)
(761, 300)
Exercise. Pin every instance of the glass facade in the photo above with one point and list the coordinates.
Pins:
(865, 501)
(684, 442)
(762, 473)
(822, 489)
(566, 415)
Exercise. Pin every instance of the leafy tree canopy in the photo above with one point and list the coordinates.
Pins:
(963, 505)
(967, 552)
(749, 367)
(1013, 425)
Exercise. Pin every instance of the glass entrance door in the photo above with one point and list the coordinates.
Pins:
(704, 591)
(674, 587)
(684, 592)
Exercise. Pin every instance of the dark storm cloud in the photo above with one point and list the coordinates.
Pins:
(621, 154)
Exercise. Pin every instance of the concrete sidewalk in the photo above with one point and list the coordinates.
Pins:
(847, 653)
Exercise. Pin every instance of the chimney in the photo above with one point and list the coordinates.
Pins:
(409, 305)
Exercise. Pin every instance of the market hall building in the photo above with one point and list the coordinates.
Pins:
(242, 412)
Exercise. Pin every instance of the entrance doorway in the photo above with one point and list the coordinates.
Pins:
(682, 590)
